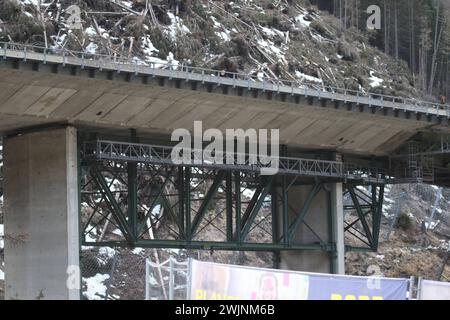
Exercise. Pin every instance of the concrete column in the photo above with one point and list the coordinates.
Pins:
(41, 214)
(325, 217)
(337, 227)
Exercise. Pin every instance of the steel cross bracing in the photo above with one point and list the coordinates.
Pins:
(363, 209)
(154, 154)
(218, 77)
(159, 205)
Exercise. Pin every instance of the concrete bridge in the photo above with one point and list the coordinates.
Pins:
(65, 114)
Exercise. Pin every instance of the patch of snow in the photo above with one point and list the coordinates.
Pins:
(2, 275)
(95, 287)
(156, 212)
(223, 33)
(306, 77)
(30, 2)
(260, 76)
(432, 225)
(91, 48)
(269, 32)
(224, 36)
(137, 251)
(117, 232)
(107, 252)
(90, 31)
(386, 208)
(176, 27)
(148, 47)
(89, 237)
(172, 62)
(127, 4)
(169, 63)
(270, 48)
(301, 19)
(247, 193)
(318, 37)
(374, 81)
(58, 40)
(388, 200)
(174, 251)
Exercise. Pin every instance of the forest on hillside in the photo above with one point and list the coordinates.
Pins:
(416, 31)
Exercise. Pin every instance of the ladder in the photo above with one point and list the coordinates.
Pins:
(427, 164)
(414, 169)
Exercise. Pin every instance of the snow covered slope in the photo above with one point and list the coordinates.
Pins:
(286, 39)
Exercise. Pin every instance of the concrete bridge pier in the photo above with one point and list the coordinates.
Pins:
(41, 215)
(323, 213)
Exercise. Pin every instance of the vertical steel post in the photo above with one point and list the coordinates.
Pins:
(275, 231)
(187, 202)
(285, 211)
(419, 289)
(132, 192)
(147, 278)
(171, 279)
(80, 227)
(229, 209)
(331, 232)
(237, 190)
(411, 288)
(377, 216)
(181, 205)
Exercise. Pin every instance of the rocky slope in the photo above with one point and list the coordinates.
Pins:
(287, 39)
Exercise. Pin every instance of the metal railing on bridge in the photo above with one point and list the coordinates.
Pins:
(218, 77)
(156, 154)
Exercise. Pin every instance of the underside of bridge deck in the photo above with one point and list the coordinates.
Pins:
(34, 94)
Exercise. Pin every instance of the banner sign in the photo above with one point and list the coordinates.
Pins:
(356, 288)
(212, 281)
(434, 290)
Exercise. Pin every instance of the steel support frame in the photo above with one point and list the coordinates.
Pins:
(223, 193)
(127, 193)
(365, 209)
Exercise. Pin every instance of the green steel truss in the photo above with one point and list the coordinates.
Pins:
(133, 204)
(363, 211)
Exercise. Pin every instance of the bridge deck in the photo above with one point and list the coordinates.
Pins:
(111, 95)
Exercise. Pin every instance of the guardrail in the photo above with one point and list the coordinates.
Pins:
(187, 73)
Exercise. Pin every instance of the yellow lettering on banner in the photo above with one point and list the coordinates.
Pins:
(335, 296)
(215, 296)
(199, 294)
